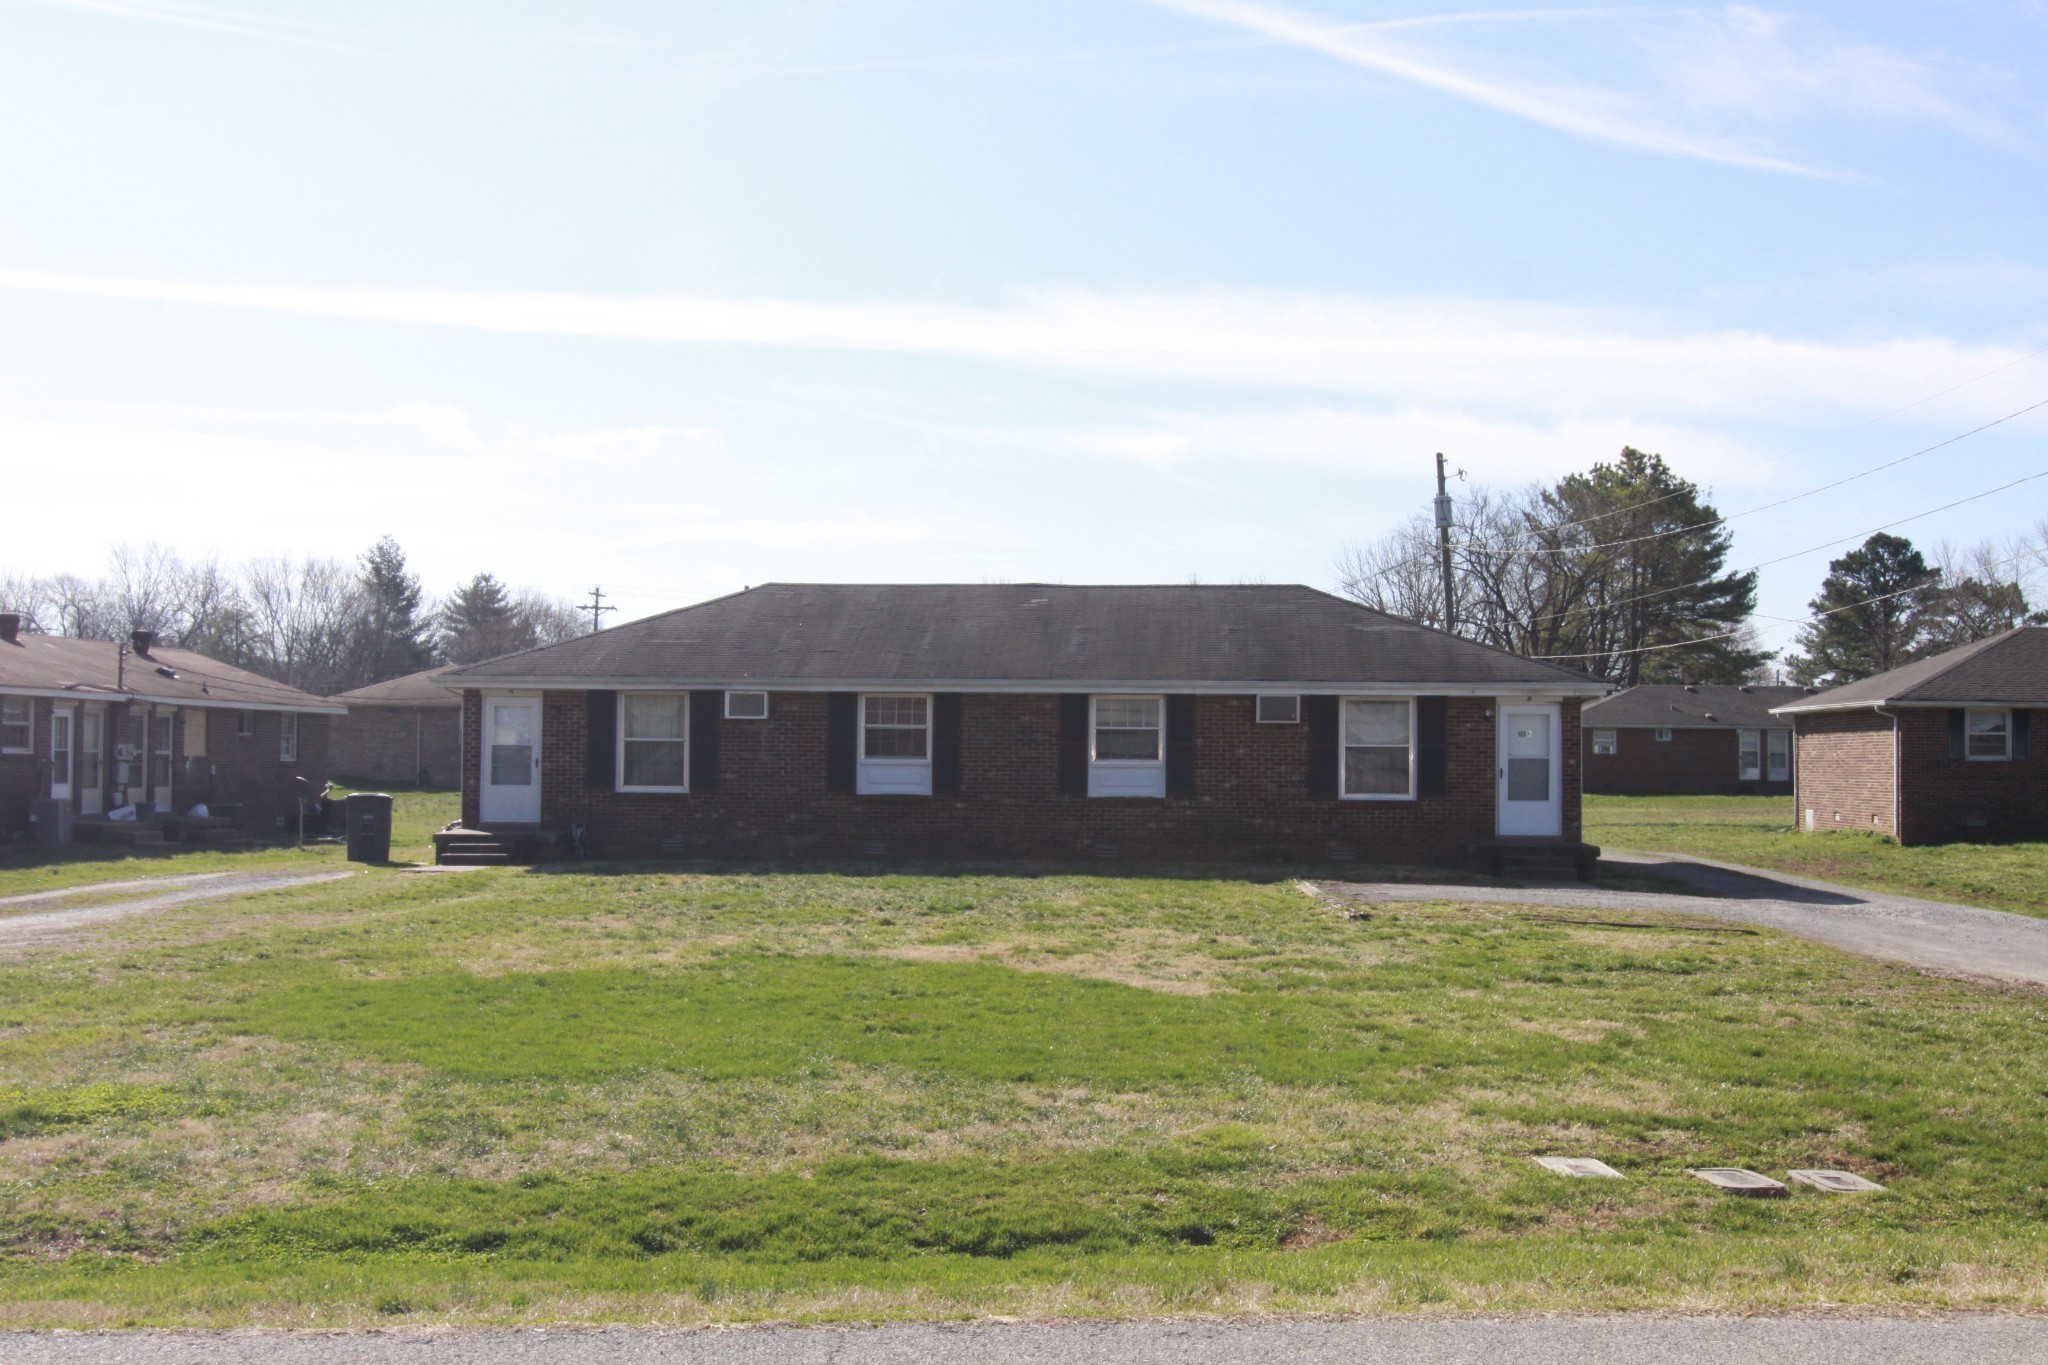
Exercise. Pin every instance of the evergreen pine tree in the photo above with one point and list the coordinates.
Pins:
(480, 620)
(1870, 616)
(395, 636)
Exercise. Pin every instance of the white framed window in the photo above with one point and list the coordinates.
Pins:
(17, 725)
(1378, 758)
(1987, 735)
(245, 724)
(746, 706)
(1749, 755)
(1778, 754)
(1603, 741)
(1279, 709)
(895, 744)
(287, 737)
(1663, 736)
(1127, 746)
(654, 742)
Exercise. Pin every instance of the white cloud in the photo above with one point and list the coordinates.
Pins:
(1527, 362)
(236, 22)
(1602, 115)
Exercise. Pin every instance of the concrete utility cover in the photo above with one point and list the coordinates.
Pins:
(1735, 1180)
(1835, 1182)
(1578, 1165)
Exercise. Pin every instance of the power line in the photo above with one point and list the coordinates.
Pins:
(596, 607)
(1808, 620)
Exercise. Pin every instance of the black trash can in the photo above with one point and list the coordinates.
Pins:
(369, 827)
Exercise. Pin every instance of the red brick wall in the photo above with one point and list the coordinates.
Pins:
(1842, 771)
(1944, 798)
(395, 743)
(1251, 799)
(234, 768)
(1695, 762)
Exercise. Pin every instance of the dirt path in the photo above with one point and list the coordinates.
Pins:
(1932, 934)
(181, 890)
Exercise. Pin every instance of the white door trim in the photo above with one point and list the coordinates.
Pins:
(512, 803)
(1527, 818)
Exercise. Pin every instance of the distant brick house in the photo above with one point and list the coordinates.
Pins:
(407, 730)
(1028, 721)
(98, 724)
(1936, 751)
(1695, 739)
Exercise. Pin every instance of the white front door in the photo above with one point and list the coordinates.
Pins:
(510, 790)
(89, 765)
(61, 757)
(1531, 777)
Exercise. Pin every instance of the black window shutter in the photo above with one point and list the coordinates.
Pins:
(946, 743)
(1955, 733)
(2019, 733)
(601, 730)
(1432, 745)
(1180, 746)
(1322, 745)
(1074, 744)
(706, 709)
(842, 739)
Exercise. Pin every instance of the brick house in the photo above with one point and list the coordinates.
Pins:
(1703, 739)
(98, 724)
(1031, 721)
(406, 730)
(1936, 751)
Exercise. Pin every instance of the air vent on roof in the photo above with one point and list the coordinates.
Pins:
(1745, 688)
(1690, 688)
(1710, 715)
(167, 672)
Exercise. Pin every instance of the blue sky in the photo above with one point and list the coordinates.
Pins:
(677, 298)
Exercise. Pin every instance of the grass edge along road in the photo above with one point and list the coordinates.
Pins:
(671, 1096)
(1758, 831)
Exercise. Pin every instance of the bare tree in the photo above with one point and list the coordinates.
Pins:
(30, 599)
(302, 616)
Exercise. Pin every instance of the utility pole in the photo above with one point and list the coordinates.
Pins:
(1443, 541)
(596, 607)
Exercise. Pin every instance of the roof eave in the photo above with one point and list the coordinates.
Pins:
(1558, 688)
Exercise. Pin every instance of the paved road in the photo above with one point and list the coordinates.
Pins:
(1934, 934)
(1953, 1340)
(180, 890)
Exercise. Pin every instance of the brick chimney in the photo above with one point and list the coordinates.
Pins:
(142, 640)
(10, 626)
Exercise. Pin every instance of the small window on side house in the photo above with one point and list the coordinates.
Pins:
(1279, 710)
(1663, 736)
(895, 745)
(17, 723)
(654, 742)
(287, 737)
(1987, 734)
(1603, 741)
(1127, 746)
(1749, 755)
(746, 706)
(245, 724)
(1778, 752)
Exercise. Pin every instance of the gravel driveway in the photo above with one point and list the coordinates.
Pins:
(80, 905)
(1932, 934)
(1949, 1340)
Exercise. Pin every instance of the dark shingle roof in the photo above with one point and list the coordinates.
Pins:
(813, 634)
(1703, 707)
(58, 663)
(2004, 670)
(414, 689)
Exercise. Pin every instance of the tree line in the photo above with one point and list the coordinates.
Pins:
(1621, 571)
(321, 625)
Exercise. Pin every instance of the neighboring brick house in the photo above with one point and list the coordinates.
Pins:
(407, 730)
(1935, 751)
(1030, 721)
(1704, 739)
(99, 724)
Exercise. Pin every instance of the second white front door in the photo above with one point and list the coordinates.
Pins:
(509, 792)
(61, 754)
(1530, 776)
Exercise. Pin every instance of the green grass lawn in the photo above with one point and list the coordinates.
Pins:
(1758, 830)
(25, 869)
(676, 1096)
